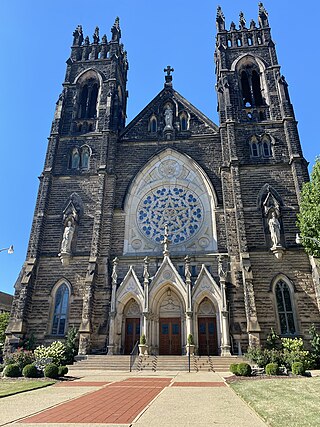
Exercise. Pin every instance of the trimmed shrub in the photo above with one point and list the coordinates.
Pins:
(244, 369)
(190, 339)
(51, 371)
(12, 370)
(62, 371)
(30, 371)
(143, 340)
(234, 368)
(272, 369)
(298, 368)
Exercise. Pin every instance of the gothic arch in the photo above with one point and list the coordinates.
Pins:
(171, 188)
(53, 303)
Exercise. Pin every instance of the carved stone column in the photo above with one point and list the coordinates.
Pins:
(145, 324)
(189, 313)
(112, 313)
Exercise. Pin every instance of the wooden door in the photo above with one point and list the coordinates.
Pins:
(170, 336)
(207, 336)
(132, 333)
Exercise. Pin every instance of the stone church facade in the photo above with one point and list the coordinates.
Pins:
(170, 225)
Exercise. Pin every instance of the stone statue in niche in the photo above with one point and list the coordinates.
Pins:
(275, 229)
(168, 117)
(67, 237)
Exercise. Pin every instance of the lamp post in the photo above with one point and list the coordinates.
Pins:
(9, 249)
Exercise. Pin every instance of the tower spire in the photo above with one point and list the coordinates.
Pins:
(115, 30)
(263, 16)
(242, 21)
(220, 20)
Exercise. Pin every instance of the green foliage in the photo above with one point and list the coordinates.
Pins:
(29, 342)
(12, 370)
(272, 369)
(71, 345)
(309, 216)
(315, 345)
(2, 366)
(143, 339)
(292, 344)
(273, 341)
(56, 353)
(20, 357)
(298, 368)
(190, 339)
(293, 351)
(62, 371)
(30, 371)
(244, 369)
(4, 320)
(264, 356)
(51, 371)
(234, 368)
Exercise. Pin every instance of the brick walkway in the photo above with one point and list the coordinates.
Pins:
(118, 402)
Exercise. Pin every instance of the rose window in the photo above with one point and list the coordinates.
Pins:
(177, 207)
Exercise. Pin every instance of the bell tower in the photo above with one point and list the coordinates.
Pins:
(260, 151)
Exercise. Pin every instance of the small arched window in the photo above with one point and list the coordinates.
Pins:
(246, 93)
(285, 308)
(83, 102)
(239, 42)
(85, 157)
(259, 40)
(254, 149)
(249, 41)
(256, 88)
(153, 124)
(92, 107)
(229, 43)
(266, 147)
(183, 121)
(75, 159)
(88, 99)
(60, 313)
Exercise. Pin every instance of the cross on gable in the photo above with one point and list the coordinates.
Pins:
(168, 70)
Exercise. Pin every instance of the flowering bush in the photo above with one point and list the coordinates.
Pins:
(55, 353)
(20, 357)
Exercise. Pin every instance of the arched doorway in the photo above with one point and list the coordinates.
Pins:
(132, 321)
(207, 329)
(170, 328)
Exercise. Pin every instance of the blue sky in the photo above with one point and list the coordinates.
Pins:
(36, 37)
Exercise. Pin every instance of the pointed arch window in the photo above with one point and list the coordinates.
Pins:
(88, 99)
(153, 124)
(285, 308)
(85, 157)
(251, 86)
(266, 146)
(60, 313)
(254, 147)
(183, 121)
(75, 159)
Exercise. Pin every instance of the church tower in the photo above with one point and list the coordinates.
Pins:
(67, 258)
(262, 172)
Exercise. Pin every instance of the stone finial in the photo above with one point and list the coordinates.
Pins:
(115, 30)
(104, 39)
(146, 270)
(220, 20)
(95, 36)
(252, 25)
(242, 21)
(232, 26)
(187, 272)
(263, 16)
(168, 76)
(86, 41)
(114, 274)
(78, 36)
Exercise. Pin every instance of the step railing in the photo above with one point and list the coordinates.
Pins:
(133, 355)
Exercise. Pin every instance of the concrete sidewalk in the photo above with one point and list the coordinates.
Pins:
(142, 399)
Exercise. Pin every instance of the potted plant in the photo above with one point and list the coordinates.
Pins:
(143, 345)
(190, 345)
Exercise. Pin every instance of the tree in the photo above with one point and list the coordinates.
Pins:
(4, 320)
(309, 216)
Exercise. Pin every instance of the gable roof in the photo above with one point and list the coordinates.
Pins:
(138, 127)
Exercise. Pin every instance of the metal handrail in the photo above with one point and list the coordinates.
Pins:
(133, 355)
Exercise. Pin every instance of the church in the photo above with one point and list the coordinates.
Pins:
(170, 225)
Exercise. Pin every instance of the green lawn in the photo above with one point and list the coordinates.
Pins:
(8, 387)
(288, 402)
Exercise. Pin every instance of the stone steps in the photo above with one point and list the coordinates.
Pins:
(156, 363)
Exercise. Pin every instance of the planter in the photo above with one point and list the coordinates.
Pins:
(142, 349)
(190, 349)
